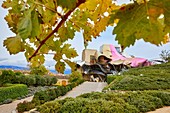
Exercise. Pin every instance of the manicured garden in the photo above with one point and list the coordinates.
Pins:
(50, 94)
(112, 102)
(136, 90)
(15, 85)
(146, 78)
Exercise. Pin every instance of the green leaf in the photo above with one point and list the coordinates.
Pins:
(69, 52)
(90, 4)
(69, 4)
(37, 60)
(66, 33)
(29, 51)
(16, 8)
(58, 56)
(25, 26)
(134, 23)
(35, 24)
(166, 8)
(71, 64)
(14, 45)
(60, 67)
(12, 20)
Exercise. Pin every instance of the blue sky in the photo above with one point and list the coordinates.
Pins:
(140, 49)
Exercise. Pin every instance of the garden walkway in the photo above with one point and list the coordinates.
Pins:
(10, 108)
(86, 87)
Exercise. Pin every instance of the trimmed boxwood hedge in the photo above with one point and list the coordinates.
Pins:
(13, 91)
(47, 95)
(146, 78)
(110, 102)
(8, 76)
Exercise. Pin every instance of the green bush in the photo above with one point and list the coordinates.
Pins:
(163, 95)
(40, 81)
(25, 106)
(50, 94)
(142, 100)
(75, 77)
(7, 76)
(49, 107)
(50, 80)
(110, 78)
(13, 91)
(82, 105)
(146, 78)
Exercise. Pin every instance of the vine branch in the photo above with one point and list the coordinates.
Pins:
(56, 29)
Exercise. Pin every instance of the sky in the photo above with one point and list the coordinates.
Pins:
(140, 49)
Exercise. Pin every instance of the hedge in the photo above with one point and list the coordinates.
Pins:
(142, 100)
(83, 105)
(13, 91)
(47, 95)
(8, 76)
(110, 102)
(146, 78)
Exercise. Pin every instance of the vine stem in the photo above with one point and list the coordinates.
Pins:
(64, 18)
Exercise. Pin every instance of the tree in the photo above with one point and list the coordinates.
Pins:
(165, 55)
(42, 26)
(40, 70)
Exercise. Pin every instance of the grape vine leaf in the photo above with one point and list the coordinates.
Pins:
(60, 66)
(25, 25)
(35, 31)
(69, 52)
(71, 64)
(135, 23)
(69, 4)
(14, 44)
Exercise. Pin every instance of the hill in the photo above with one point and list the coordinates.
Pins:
(67, 71)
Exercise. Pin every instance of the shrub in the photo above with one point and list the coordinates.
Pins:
(82, 105)
(143, 101)
(40, 70)
(7, 76)
(50, 94)
(40, 81)
(25, 106)
(146, 78)
(110, 78)
(50, 80)
(49, 107)
(75, 76)
(163, 95)
(13, 91)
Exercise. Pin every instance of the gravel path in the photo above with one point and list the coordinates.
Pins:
(86, 87)
(10, 108)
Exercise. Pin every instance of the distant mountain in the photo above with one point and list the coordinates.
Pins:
(67, 71)
(13, 67)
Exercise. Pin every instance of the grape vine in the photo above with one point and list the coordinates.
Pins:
(44, 26)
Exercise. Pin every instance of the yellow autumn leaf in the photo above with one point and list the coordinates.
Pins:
(14, 44)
